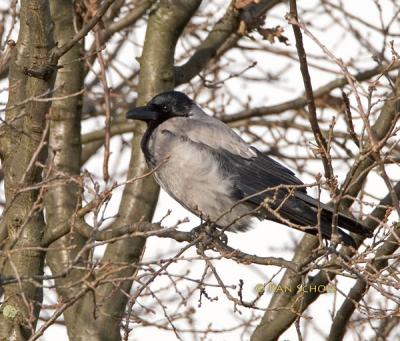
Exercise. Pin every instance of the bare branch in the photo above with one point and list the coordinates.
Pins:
(58, 52)
(319, 138)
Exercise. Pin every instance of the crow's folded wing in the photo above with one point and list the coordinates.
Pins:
(258, 174)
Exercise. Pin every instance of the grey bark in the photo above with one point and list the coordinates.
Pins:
(30, 76)
(63, 197)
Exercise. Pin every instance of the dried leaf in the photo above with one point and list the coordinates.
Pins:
(271, 34)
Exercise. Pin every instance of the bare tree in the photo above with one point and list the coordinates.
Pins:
(76, 214)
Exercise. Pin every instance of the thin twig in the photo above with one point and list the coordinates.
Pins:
(319, 138)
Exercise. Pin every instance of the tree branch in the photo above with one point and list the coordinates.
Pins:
(357, 292)
(319, 138)
(294, 304)
(224, 30)
(301, 101)
(58, 52)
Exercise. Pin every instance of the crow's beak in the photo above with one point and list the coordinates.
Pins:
(143, 114)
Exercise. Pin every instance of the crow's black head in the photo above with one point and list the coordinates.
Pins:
(162, 107)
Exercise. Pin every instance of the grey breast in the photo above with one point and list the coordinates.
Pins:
(191, 173)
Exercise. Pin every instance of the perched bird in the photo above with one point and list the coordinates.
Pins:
(210, 170)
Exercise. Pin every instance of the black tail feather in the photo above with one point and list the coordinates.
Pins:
(353, 225)
(326, 232)
(343, 221)
(347, 239)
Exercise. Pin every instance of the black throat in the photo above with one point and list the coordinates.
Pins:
(144, 143)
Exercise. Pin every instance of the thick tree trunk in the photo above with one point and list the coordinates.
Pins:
(30, 76)
(63, 197)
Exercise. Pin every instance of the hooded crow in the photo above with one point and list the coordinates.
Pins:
(210, 170)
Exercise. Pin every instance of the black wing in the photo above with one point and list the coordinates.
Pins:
(258, 174)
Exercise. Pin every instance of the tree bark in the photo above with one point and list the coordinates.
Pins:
(30, 76)
(63, 197)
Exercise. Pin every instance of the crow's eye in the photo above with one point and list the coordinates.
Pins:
(164, 108)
